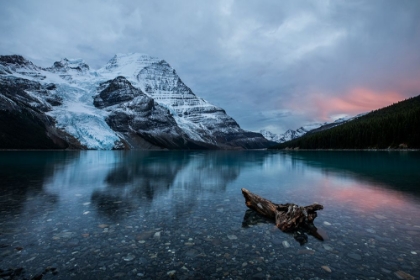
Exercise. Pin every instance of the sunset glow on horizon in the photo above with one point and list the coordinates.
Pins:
(356, 101)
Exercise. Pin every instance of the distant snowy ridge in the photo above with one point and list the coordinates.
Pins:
(134, 102)
(289, 134)
(310, 128)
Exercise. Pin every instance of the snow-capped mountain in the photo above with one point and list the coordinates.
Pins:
(134, 102)
(269, 135)
(289, 134)
(310, 128)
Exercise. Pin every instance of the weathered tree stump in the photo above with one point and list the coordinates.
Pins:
(288, 217)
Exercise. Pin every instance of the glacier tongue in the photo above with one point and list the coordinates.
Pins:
(78, 116)
(91, 130)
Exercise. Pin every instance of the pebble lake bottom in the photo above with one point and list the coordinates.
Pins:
(162, 215)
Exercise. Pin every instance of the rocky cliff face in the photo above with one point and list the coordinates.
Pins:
(137, 117)
(134, 102)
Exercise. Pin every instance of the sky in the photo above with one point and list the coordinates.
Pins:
(270, 64)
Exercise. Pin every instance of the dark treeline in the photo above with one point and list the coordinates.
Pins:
(395, 126)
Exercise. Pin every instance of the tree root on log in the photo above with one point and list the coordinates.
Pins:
(288, 217)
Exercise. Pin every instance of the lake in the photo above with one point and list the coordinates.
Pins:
(162, 214)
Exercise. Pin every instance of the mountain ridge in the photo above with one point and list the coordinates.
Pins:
(291, 134)
(120, 105)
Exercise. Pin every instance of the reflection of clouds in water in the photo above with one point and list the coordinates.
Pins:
(396, 170)
(365, 182)
(358, 195)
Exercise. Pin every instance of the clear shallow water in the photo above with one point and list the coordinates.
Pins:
(98, 215)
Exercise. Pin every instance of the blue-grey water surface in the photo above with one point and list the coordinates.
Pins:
(157, 215)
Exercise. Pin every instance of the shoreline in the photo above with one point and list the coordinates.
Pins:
(348, 150)
(168, 150)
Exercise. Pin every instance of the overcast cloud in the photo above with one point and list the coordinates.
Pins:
(270, 64)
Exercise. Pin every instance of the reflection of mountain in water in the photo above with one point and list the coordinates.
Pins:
(23, 175)
(398, 170)
(138, 178)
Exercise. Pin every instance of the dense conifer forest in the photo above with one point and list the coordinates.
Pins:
(395, 126)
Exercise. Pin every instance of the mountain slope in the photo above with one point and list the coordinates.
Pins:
(395, 126)
(24, 123)
(134, 102)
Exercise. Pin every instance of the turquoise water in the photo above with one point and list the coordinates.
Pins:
(148, 215)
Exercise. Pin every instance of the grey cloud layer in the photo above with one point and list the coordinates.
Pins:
(259, 60)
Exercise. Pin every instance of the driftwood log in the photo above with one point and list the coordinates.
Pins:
(288, 217)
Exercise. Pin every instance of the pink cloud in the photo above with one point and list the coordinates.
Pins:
(357, 100)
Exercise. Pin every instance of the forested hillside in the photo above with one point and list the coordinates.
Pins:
(395, 126)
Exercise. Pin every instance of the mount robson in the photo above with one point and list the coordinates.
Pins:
(134, 102)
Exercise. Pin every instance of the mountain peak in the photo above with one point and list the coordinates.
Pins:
(133, 55)
(15, 62)
(125, 59)
(128, 64)
(14, 59)
(66, 65)
(73, 61)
